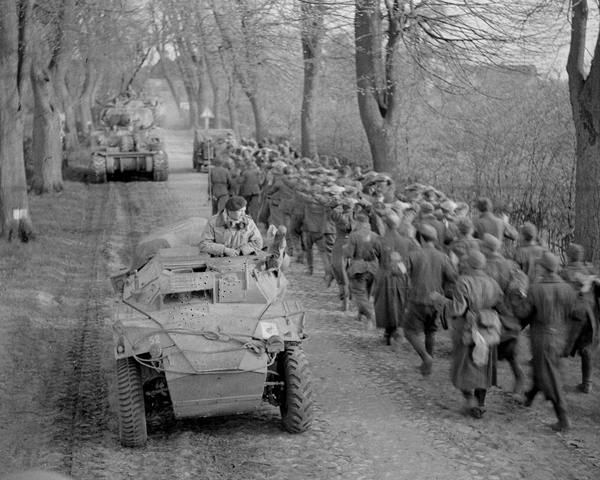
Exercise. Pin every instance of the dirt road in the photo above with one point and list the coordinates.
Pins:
(376, 417)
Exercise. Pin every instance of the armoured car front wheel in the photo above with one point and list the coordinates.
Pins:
(297, 406)
(132, 415)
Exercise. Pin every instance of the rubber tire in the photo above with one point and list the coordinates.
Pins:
(126, 143)
(297, 407)
(132, 414)
(160, 167)
(98, 169)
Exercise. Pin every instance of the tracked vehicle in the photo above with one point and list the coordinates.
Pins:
(206, 337)
(128, 143)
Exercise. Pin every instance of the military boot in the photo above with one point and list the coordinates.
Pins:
(586, 373)
(430, 343)
(345, 304)
(564, 422)
(479, 410)
(520, 378)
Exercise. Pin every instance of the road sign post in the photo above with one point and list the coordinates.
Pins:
(207, 115)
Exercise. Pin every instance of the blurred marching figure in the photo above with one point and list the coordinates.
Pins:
(475, 329)
(362, 259)
(552, 302)
(342, 215)
(220, 183)
(529, 250)
(429, 270)
(391, 280)
(249, 188)
(487, 222)
(514, 284)
(584, 329)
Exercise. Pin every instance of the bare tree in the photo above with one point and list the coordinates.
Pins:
(49, 87)
(240, 25)
(440, 37)
(312, 32)
(585, 105)
(14, 205)
(376, 77)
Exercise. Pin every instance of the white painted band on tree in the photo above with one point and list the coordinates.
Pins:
(19, 213)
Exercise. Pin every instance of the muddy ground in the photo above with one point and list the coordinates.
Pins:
(376, 416)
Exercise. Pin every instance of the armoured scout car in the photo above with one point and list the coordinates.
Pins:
(206, 336)
(128, 142)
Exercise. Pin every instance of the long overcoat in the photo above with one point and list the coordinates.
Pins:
(552, 302)
(391, 284)
(474, 291)
(584, 329)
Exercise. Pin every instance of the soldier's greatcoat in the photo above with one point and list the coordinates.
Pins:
(551, 301)
(474, 291)
(584, 329)
(391, 284)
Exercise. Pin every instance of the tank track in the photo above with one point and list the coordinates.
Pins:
(160, 170)
(98, 169)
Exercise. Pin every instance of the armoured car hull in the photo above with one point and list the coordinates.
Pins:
(208, 336)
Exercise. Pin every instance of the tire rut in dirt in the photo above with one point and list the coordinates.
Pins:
(77, 389)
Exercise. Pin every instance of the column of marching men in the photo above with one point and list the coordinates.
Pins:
(415, 260)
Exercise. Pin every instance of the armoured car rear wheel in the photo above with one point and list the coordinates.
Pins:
(132, 415)
(160, 167)
(297, 408)
(98, 169)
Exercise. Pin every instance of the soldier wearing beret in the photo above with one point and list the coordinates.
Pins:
(231, 232)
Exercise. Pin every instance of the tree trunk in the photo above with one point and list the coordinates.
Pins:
(585, 105)
(259, 117)
(14, 204)
(70, 127)
(246, 72)
(171, 84)
(232, 106)
(47, 148)
(312, 36)
(62, 47)
(376, 82)
(203, 83)
(217, 108)
(85, 101)
(216, 89)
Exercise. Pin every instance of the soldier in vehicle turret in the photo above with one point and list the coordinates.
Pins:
(231, 232)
